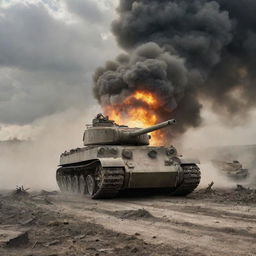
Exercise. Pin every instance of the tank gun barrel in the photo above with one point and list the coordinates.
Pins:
(153, 128)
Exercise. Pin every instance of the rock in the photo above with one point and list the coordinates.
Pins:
(11, 236)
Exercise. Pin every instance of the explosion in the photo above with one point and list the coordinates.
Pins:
(138, 110)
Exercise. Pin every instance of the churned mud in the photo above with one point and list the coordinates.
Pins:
(216, 222)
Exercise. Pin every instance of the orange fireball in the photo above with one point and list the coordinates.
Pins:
(137, 110)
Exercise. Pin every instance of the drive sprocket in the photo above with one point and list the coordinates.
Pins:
(191, 179)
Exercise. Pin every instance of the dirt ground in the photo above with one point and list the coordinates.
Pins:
(217, 222)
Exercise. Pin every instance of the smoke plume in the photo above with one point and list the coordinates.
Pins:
(185, 52)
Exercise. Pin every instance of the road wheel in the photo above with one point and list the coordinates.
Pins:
(69, 183)
(90, 185)
(75, 184)
(82, 185)
(64, 183)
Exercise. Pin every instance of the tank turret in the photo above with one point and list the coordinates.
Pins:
(106, 132)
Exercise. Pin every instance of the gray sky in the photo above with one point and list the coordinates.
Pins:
(48, 52)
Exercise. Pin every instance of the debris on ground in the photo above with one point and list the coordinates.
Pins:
(209, 188)
(239, 195)
(134, 214)
(61, 229)
(20, 191)
(57, 233)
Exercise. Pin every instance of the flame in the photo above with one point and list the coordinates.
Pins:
(146, 97)
(138, 110)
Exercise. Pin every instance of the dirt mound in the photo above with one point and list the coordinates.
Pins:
(134, 214)
(239, 195)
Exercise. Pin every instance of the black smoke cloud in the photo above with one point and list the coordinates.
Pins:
(184, 51)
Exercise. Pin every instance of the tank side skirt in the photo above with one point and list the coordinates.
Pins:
(79, 165)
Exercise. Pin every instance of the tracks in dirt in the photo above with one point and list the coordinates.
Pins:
(217, 229)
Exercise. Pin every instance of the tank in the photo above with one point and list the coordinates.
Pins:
(116, 157)
(233, 170)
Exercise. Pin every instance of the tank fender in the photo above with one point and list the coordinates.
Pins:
(189, 161)
(112, 162)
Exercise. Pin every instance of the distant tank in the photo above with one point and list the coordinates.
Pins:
(233, 170)
(116, 157)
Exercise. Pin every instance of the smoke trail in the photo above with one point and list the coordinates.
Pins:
(184, 51)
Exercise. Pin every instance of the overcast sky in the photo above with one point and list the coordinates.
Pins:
(48, 52)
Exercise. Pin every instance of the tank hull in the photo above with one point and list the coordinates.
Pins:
(233, 170)
(131, 166)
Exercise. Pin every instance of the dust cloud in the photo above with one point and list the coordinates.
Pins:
(215, 141)
(212, 174)
(33, 163)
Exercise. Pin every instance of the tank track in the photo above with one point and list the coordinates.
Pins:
(191, 179)
(72, 180)
(113, 179)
